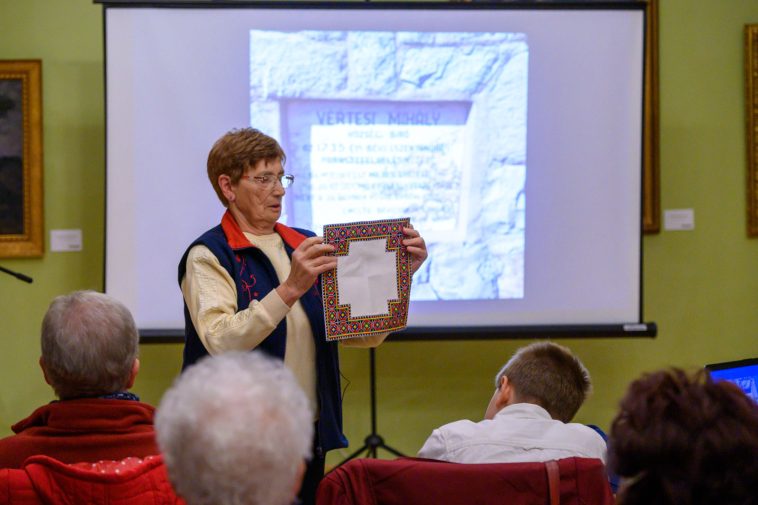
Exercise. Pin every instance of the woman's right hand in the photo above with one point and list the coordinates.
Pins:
(309, 261)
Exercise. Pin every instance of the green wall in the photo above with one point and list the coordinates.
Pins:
(701, 287)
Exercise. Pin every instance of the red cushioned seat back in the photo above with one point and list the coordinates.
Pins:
(413, 481)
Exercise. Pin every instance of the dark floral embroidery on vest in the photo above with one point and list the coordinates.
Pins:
(247, 281)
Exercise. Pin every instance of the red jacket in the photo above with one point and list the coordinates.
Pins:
(89, 429)
(45, 481)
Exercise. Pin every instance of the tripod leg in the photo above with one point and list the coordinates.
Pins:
(353, 455)
(393, 451)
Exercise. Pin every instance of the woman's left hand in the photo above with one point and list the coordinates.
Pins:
(416, 246)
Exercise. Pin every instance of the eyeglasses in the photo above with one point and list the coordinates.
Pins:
(268, 181)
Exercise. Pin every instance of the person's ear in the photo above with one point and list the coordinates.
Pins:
(504, 394)
(225, 183)
(500, 398)
(133, 373)
(44, 370)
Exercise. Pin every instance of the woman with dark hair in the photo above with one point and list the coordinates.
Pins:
(684, 439)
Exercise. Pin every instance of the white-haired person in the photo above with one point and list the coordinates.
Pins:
(538, 392)
(235, 429)
(89, 357)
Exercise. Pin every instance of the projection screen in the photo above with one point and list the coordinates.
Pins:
(511, 135)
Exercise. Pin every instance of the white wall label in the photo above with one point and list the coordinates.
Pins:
(679, 219)
(65, 240)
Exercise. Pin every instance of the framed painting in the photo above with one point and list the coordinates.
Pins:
(21, 219)
(751, 118)
(651, 200)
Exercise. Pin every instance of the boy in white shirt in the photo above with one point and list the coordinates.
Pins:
(537, 394)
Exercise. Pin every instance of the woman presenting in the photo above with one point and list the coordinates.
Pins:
(251, 283)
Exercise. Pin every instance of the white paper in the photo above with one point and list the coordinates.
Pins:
(367, 278)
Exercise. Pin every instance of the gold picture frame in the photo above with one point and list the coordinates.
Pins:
(751, 118)
(651, 200)
(21, 220)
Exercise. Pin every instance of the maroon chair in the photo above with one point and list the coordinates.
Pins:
(414, 481)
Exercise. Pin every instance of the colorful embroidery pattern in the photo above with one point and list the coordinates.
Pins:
(339, 322)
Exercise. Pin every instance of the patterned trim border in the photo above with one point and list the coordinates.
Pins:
(339, 322)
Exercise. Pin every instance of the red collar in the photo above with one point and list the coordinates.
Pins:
(237, 239)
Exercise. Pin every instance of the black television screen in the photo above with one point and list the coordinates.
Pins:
(510, 134)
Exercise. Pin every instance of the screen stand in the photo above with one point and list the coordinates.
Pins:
(373, 441)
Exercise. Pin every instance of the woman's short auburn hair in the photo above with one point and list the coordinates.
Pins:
(237, 151)
(681, 438)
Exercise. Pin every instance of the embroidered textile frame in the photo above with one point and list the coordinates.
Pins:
(340, 323)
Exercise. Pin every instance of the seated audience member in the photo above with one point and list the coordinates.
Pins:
(684, 439)
(537, 393)
(89, 357)
(235, 429)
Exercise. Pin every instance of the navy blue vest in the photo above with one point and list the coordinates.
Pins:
(254, 276)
